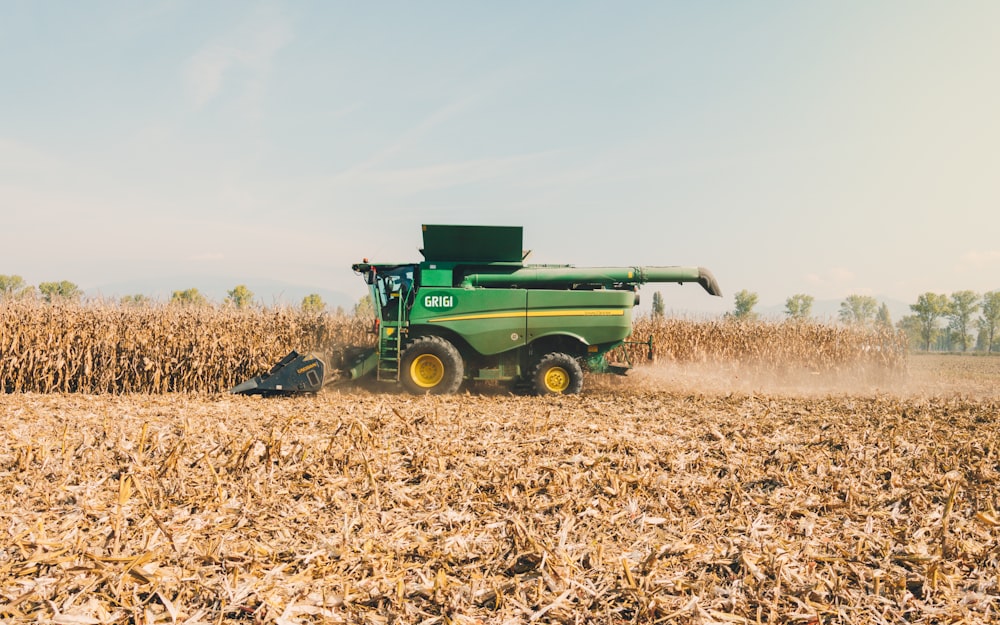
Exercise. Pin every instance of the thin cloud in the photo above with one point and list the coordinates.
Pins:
(21, 157)
(404, 181)
(437, 118)
(835, 282)
(834, 276)
(978, 259)
(207, 257)
(30, 195)
(249, 49)
(205, 71)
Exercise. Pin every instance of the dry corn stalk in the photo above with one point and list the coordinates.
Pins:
(101, 348)
(772, 348)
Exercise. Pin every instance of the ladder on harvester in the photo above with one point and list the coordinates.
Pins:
(390, 343)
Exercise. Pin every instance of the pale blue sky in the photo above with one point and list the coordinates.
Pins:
(826, 148)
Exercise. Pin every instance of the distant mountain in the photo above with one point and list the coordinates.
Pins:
(266, 292)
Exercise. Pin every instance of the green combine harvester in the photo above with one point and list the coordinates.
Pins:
(474, 310)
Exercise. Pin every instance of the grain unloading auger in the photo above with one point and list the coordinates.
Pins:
(474, 310)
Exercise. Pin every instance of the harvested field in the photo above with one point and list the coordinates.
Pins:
(963, 374)
(654, 502)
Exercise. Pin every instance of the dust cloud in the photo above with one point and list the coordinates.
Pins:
(924, 375)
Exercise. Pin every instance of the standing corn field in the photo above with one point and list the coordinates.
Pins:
(113, 349)
(773, 348)
(101, 348)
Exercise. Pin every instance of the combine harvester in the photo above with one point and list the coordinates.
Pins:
(474, 310)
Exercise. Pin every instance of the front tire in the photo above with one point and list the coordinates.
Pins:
(431, 365)
(557, 374)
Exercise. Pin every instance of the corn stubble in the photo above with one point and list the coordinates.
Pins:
(614, 506)
(153, 349)
(132, 502)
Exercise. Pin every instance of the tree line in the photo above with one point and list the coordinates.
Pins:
(958, 311)
(939, 322)
(14, 287)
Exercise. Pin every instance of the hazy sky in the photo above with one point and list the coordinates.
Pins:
(825, 148)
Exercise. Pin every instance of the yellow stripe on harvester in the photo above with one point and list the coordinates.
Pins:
(596, 312)
(600, 312)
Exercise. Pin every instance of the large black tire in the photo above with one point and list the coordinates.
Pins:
(432, 365)
(557, 374)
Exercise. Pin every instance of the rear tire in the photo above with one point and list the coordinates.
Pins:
(557, 374)
(432, 365)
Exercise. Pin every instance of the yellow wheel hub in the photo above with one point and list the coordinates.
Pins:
(556, 380)
(427, 370)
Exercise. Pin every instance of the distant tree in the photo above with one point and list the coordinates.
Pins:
(313, 303)
(981, 345)
(911, 326)
(961, 308)
(658, 307)
(989, 320)
(929, 308)
(365, 309)
(744, 303)
(944, 336)
(858, 310)
(240, 296)
(340, 312)
(56, 291)
(883, 319)
(799, 306)
(14, 287)
(188, 297)
(135, 300)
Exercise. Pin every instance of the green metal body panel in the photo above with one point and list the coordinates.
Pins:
(490, 320)
(493, 321)
(593, 317)
(435, 277)
(363, 364)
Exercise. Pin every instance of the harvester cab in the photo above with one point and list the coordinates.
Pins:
(391, 288)
(473, 310)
